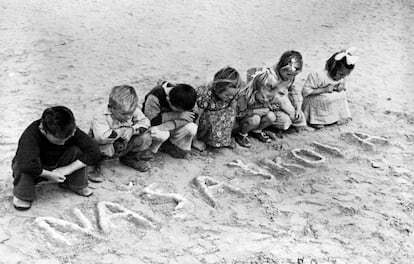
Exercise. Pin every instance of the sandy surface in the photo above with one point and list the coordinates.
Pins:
(353, 209)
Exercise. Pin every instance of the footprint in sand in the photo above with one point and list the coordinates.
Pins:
(207, 185)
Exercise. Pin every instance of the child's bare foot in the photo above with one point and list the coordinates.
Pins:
(199, 145)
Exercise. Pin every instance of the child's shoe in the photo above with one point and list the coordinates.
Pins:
(261, 136)
(95, 175)
(21, 205)
(131, 161)
(146, 155)
(243, 140)
(174, 151)
(316, 126)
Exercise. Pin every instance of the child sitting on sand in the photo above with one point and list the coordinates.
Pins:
(53, 149)
(171, 109)
(121, 130)
(288, 98)
(325, 101)
(218, 106)
(255, 108)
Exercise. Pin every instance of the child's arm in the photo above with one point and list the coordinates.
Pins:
(63, 171)
(28, 151)
(182, 119)
(103, 132)
(314, 86)
(140, 122)
(295, 97)
(91, 154)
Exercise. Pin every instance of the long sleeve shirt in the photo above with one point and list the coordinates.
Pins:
(156, 106)
(104, 126)
(317, 80)
(34, 150)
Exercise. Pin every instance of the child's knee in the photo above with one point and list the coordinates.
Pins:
(253, 120)
(270, 117)
(192, 128)
(140, 142)
(161, 136)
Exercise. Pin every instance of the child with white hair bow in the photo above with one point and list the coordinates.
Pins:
(325, 100)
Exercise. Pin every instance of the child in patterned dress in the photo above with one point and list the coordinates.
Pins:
(325, 101)
(217, 105)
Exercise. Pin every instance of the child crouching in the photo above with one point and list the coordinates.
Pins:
(121, 130)
(255, 107)
(172, 112)
(218, 105)
(53, 149)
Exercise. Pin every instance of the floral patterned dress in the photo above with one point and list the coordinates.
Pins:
(217, 118)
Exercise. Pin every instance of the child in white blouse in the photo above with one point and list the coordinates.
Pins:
(325, 100)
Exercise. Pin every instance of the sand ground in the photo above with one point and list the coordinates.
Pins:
(354, 209)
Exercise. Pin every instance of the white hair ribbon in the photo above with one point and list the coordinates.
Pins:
(264, 70)
(350, 59)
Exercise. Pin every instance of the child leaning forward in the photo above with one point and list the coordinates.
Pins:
(256, 106)
(218, 105)
(52, 149)
(172, 111)
(121, 130)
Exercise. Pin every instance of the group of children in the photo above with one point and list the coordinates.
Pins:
(176, 117)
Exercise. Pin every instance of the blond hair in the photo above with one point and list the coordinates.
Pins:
(123, 97)
(261, 79)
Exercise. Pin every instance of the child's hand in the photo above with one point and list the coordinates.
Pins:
(187, 116)
(340, 87)
(274, 107)
(55, 175)
(128, 132)
(297, 114)
(329, 88)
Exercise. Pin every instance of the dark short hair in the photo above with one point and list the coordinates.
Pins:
(226, 77)
(183, 96)
(59, 121)
(332, 65)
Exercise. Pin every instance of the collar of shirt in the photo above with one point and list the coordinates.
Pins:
(116, 123)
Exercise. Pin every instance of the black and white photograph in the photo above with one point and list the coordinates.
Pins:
(206, 131)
